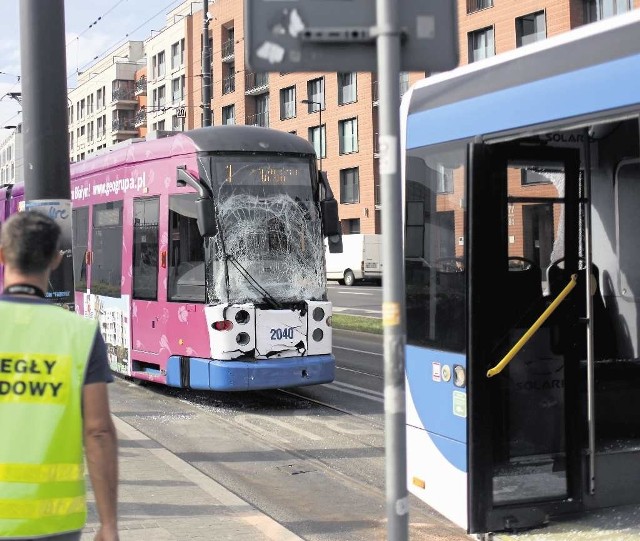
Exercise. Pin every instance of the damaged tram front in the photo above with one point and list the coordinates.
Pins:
(263, 210)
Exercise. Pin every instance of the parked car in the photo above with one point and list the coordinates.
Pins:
(361, 259)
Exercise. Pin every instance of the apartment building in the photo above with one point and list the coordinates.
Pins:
(11, 160)
(102, 107)
(336, 112)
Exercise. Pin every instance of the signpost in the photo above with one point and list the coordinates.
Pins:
(407, 35)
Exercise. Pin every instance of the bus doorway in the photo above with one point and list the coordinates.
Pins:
(524, 221)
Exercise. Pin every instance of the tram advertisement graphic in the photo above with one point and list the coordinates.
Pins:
(61, 280)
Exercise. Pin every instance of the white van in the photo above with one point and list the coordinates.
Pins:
(361, 259)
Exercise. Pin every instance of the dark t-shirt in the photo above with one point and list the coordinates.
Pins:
(98, 370)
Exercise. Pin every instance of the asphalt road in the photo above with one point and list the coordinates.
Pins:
(312, 458)
(358, 300)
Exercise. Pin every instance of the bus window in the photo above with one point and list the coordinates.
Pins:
(434, 252)
(186, 251)
(145, 248)
(80, 244)
(106, 266)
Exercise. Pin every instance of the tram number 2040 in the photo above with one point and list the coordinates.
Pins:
(279, 334)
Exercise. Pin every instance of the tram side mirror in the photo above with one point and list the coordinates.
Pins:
(205, 208)
(330, 220)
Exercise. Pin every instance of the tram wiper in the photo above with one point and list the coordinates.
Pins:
(267, 298)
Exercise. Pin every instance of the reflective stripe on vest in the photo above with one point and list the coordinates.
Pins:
(42, 368)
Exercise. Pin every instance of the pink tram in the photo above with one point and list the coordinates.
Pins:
(202, 257)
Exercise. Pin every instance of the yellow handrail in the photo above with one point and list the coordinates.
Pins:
(526, 336)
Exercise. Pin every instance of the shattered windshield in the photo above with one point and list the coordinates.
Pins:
(269, 247)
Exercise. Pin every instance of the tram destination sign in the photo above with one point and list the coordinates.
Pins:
(340, 35)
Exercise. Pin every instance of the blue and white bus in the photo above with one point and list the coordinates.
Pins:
(523, 367)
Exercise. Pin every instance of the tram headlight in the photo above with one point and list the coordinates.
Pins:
(318, 314)
(318, 335)
(242, 317)
(243, 339)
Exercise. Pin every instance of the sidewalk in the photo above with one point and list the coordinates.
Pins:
(163, 498)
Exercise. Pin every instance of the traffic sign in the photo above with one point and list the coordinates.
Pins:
(340, 35)
(181, 112)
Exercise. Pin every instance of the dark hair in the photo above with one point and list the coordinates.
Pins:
(29, 241)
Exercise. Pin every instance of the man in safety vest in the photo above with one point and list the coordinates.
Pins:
(53, 394)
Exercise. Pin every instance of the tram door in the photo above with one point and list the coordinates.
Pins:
(525, 420)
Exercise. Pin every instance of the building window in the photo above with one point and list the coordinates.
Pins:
(229, 115)
(161, 96)
(477, 5)
(161, 125)
(481, 44)
(348, 134)
(182, 52)
(350, 226)
(530, 28)
(146, 213)
(445, 179)
(229, 80)
(347, 92)
(161, 64)
(315, 94)
(262, 111)
(176, 92)
(349, 186)
(404, 82)
(596, 10)
(288, 103)
(318, 139)
(175, 55)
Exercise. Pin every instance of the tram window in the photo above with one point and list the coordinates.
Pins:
(106, 266)
(145, 248)
(80, 245)
(186, 251)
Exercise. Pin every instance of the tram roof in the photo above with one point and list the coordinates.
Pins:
(584, 47)
(247, 138)
(238, 138)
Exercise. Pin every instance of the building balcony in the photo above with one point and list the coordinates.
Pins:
(258, 119)
(140, 88)
(228, 50)
(229, 84)
(256, 83)
(123, 98)
(140, 118)
(123, 126)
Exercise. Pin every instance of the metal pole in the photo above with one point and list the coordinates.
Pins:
(321, 150)
(45, 136)
(393, 318)
(206, 68)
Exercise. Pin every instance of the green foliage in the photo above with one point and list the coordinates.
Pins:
(357, 323)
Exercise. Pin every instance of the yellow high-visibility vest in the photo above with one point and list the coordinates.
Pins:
(43, 358)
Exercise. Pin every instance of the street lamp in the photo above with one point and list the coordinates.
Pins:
(319, 104)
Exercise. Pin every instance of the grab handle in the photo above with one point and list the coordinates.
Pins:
(527, 335)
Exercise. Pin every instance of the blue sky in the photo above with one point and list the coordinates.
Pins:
(92, 29)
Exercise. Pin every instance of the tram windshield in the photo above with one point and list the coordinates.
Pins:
(269, 247)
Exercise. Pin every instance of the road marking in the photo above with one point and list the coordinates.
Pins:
(357, 293)
(337, 387)
(359, 351)
(348, 385)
